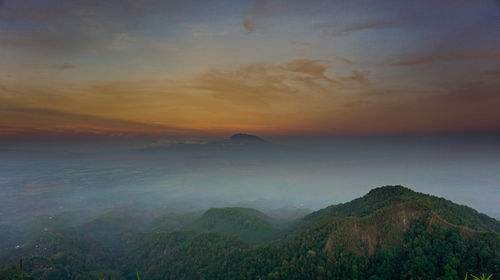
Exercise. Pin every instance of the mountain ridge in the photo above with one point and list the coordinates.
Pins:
(381, 197)
(392, 232)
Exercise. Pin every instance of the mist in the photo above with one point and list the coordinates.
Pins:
(282, 172)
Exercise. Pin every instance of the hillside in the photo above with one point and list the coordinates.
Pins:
(382, 197)
(390, 233)
(173, 221)
(181, 255)
(251, 225)
(108, 226)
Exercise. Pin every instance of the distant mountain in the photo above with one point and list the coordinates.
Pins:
(245, 138)
(232, 146)
(241, 139)
(251, 225)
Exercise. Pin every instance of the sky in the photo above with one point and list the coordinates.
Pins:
(126, 68)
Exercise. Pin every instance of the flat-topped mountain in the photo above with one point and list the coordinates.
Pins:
(245, 137)
(241, 139)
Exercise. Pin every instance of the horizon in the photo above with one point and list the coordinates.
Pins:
(313, 172)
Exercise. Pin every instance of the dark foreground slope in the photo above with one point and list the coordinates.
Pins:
(390, 233)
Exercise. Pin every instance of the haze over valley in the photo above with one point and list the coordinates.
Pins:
(249, 139)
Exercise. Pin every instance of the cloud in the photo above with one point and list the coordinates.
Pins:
(309, 67)
(30, 119)
(331, 30)
(255, 15)
(64, 66)
(347, 61)
(297, 96)
(219, 100)
(248, 25)
(468, 106)
(445, 57)
(493, 73)
(120, 41)
(80, 25)
(268, 86)
(476, 92)
(39, 42)
(180, 140)
(360, 77)
(208, 34)
(77, 10)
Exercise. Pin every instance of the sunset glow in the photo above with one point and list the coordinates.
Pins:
(269, 67)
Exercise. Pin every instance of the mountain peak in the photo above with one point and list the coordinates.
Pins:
(389, 191)
(245, 137)
(251, 225)
(388, 197)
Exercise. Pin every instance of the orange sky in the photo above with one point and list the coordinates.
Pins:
(214, 68)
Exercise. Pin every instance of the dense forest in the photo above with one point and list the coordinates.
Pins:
(390, 233)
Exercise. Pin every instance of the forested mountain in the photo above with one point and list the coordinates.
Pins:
(251, 225)
(379, 198)
(390, 233)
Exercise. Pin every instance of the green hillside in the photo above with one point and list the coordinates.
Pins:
(379, 198)
(65, 255)
(182, 255)
(251, 225)
(390, 233)
(173, 221)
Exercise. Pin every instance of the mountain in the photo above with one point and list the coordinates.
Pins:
(245, 138)
(390, 233)
(382, 197)
(251, 225)
(239, 146)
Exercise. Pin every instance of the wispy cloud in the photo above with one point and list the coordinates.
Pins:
(360, 77)
(347, 61)
(249, 25)
(64, 66)
(445, 56)
(31, 119)
(209, 34)
(175, 140)
(39, 42)
(220, 100)
(469, 106)
(333, 30)
(255, 15)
